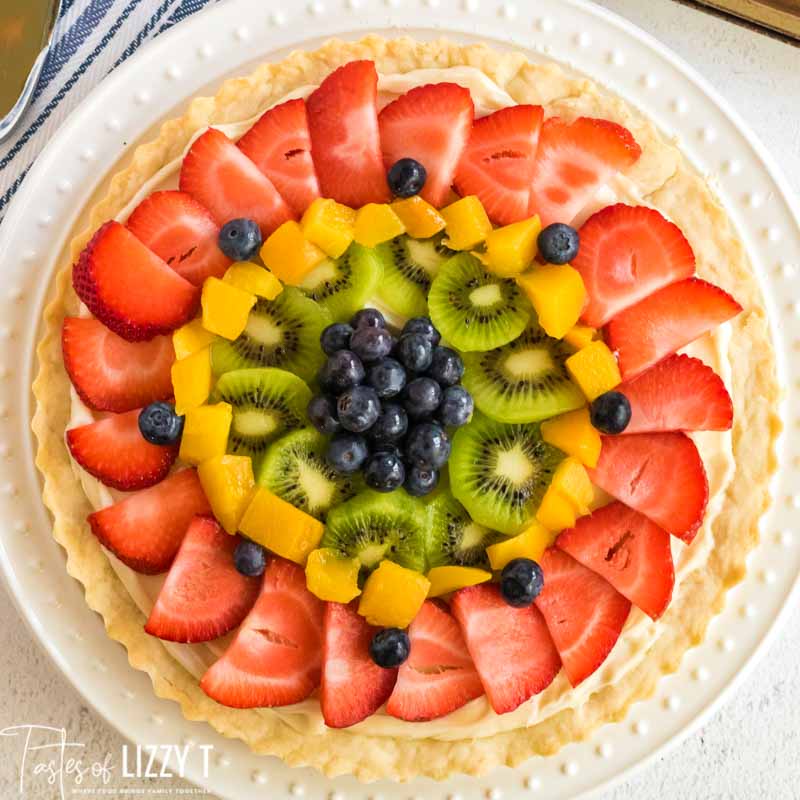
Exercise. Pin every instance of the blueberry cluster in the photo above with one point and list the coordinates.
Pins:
(388, 401)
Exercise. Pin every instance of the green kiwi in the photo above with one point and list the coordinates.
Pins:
(374, 526)
(524, 380)
(500, 472)
(295, 469)
(282, 333)
(474, 309)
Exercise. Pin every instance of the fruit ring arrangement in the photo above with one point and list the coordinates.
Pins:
(458, 494)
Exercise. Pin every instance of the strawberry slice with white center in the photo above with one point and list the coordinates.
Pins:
(345, 143)
(279, 144)
(182, 232)
(497, 163)
(111, 374)
(627, 253)
(204, 596)
(680, 393)
(276, 657)
(115, 452)
(573, 161)
(667, 321)
(353, 686)
(145, 530)
(129, 288)
(584, 613)
(632, 553)
(439, 676)
(510, 647)
(661, 475)
(430, 124)
(224, 180)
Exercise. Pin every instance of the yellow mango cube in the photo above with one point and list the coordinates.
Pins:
(329, 225)
(331, 577)
(556, 513)
(252, 278)
(190, 338)
(420, 218)
(579, 336)
(376, 223)
(191, 380)
(531, 543)
(205, 432)
(511, 249)
(557, 294)
(225, 308)
(393, 595)
(466, 223)
(289, 255)
(574, 434)
(449, 579)
(595, 369)
(572, 482)
(228, 483)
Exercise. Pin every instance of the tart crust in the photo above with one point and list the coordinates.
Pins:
(665, 181)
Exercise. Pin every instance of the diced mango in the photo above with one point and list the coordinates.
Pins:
(594, 368)
(421, 219)
(205, 432)
(191, 380)
(572, 482)
(579, 336)
(331, 577)
(449, 579)
(289, 255)
(190, 338)
(511, 249)
(531, 543)
(228, 483)
(574, 434)
(556, 513)
(252, 278)
(393, 595)
(225, 308)
(466, 223)
(557, 293)
(329, 225)
(376, 223)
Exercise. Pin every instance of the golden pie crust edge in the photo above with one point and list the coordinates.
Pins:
(667, 182)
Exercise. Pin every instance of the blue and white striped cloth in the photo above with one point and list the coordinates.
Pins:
(91, 38)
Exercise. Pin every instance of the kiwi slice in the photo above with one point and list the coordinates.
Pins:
(295, 469)
(475, 310)
(282, 333)
(342, 286)
(374, 526)
(266, 403)
(524, 380)
(500, 472)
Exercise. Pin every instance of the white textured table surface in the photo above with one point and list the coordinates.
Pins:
(750, 748)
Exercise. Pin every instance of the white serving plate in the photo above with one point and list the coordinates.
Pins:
(228, 39)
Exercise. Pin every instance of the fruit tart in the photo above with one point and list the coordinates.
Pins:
(406, 408)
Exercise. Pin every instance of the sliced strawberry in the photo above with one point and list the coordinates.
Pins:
(632, 553)
(223, 179)
(584, 613)
(680, 393)
(204, 596)
(353, 686)
(110, 374)
(666, 321)
(276, 657)
(145, 530)
(626, 254)
(129, 288)
(574, 161)
(661, 475)
(511, 648)
(497, 163)
(345, 143)
(280, 146)
(182, 232)
(115, 452)
(439, 676)
(430, 124)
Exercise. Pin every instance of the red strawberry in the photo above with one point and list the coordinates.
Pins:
(179, 230)
(632, 553)
(280, 146)
(353, 686)
(584, 613)
(497, 163)
(204, 596)
(627, 253)
(115, 452)
(511, 648)
(345, 143)
(129, 288)
(145, 530)
(574, 161)
(110, 374)
(430, 124)
(660, 475)
(223, 179)
(439, 676)
(680, 393)
(276, 657)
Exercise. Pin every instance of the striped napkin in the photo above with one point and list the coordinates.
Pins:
(91, 38)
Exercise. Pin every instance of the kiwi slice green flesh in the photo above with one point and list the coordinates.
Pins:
(475, 310)
(524, 380)
(500, 472)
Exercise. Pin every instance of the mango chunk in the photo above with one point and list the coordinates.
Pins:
(420, 218)
(557, 293)
(252, 278)
(191, 380)
(531, 543)
(225, 308)
(376, 223)
(580, 336)
(556, 513)
(329, 225)
(594, 368)
(466, 223)
(511, 249)
(574, 434)
(228, 483)
(205, 432)
(289, 255)
(393, 595)
(331, 577)
(569, 496)
(190, 338)
(449, 579)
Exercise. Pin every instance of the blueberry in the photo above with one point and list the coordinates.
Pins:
(558, 243)
(387, 377)
(446, 367)
(422, 397)
(611, 412)
(372, 344)
(406, 177)
(421, 481)
(384, 471)
(240, 239)
(423, 326)
(390, 647)
(250, 558)
(358, 409)
(368, 318)
(341, 371)
(391, 425)
(336, 337)
(322, 413)
(521, 581)
(347, 452)
(392, 448)
(159, 424)
(428, 446)
(456, 407)
(415, 352)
